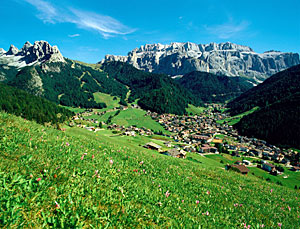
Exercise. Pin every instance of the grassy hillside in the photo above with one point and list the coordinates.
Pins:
(235, 119)
(137, 117)
(54, 179)
(107, 99)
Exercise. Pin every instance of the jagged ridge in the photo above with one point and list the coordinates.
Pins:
(224, 58)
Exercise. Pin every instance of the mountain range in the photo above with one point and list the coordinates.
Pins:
(225, 58)
(41, 70)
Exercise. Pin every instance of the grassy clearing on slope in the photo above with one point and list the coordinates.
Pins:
(235, 119)
(75, 109)
(137, 117)
(53, 179)
(194, 110)
(107, 99)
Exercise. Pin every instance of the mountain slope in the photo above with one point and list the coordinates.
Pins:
(278, 119)
(20, 103)
(57, 179)
(278, 123)
(277, 87)
(214, 88)
(225, 58)
(68, 83)
(155, 92)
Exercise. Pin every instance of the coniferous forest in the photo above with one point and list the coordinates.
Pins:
(20, 103)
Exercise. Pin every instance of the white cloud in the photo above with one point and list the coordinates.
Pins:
(105, 25)
(46, 11)
(229, 29)
(74, 35)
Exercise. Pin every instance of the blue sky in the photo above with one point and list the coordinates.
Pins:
(87, 30)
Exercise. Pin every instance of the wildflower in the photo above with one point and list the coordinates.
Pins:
(38, 179)
(31, 175)
(54, 176)
(182, 201)
(235, 205)
(206, 213)
(57, 205)
(245, 226)
(82, 157)
(208, 192)
(142, 162)
(262, 225)
(241, 205)
(67, 143)
(167, 194)
(271, 190)
(93, 156)
(289, 208)
(279, 224)
(197, 201)
(159, 203)
(111, 162)
(119, 170)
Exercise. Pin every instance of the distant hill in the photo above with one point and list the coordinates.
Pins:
(209, 87)
(20, 103)
(278, 119)
(156, 92)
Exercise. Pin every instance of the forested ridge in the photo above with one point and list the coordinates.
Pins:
(21, 103)
(69, 84)
(275, 88)
(156, 92)
(210, 87)
(278, 119)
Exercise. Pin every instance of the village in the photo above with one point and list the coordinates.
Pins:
(203, 134)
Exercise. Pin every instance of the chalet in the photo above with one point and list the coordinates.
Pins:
(176, 153)
(268, 167)
(152, 145)
(239, 168)
(208, 149)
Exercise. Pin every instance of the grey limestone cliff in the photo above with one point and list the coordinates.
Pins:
(224, 58)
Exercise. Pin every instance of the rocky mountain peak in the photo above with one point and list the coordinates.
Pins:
(224, 58)
(30, 54)
(2, 51)
(12, 50)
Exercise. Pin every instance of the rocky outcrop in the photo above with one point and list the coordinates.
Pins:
(31, 54)
(224, 58)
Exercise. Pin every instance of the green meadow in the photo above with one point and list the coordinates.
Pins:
(235, 119)
(76, 179)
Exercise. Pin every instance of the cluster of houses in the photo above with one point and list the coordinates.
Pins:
(174, 152)
(199, 133)
(131, 130)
